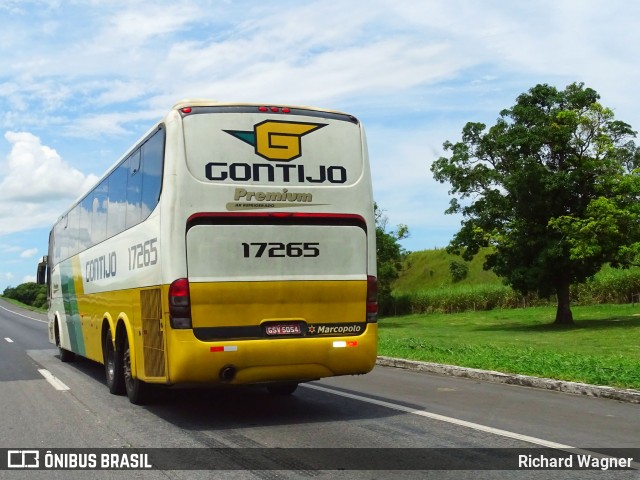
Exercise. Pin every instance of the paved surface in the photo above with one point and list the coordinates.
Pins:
(389, 408)
(624, 395)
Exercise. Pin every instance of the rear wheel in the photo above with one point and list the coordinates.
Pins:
(113, 365)
(137, 390)
(282, 388)
(65, 355)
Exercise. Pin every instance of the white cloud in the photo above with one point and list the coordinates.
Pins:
(9, 248)
(137, 25)
(36, 184)
(7, 276)
(36, 173)
(29, 253)
(111, 124)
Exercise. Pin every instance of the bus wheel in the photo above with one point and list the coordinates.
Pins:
(137, 390)
(112, 365)
(65, 355)
(282, 388)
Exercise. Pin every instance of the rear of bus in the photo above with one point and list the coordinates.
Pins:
(273, 212)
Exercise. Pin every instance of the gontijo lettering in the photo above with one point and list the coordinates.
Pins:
(264, 172)
(100, 268)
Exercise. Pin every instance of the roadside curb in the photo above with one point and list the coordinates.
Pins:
(622, 395)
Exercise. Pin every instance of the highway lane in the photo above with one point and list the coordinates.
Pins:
(317, 416)
(18, 334)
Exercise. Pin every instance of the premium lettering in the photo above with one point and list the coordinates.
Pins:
(283, 196)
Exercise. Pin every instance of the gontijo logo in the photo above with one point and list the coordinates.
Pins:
(277, 140)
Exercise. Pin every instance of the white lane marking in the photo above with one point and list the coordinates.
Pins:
(463, 423)
(25, 316)
(443, 418)
(57, 384)
(8, 339)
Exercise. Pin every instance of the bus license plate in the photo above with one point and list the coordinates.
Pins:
(284, 329)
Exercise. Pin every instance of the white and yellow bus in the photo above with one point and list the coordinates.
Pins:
(233, 244)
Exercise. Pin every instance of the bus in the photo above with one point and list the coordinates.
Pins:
(232, 244)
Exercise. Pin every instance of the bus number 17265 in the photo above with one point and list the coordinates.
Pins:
(277, 249)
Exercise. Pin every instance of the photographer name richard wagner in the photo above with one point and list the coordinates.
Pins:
(574, 461)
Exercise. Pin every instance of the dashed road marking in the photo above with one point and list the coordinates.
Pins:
(55, 382)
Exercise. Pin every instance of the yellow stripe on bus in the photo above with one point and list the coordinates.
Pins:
(249, 303)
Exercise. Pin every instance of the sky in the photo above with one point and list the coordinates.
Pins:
(81, 81)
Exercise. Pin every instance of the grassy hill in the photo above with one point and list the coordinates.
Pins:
(426, 285)
(429, 269)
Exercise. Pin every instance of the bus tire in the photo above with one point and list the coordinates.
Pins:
(113, 365)
(137, 390)
(65, 355)
(282, 388)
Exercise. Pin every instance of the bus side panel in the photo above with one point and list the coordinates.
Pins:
(66, 286)
(119, 304)
(109, 282)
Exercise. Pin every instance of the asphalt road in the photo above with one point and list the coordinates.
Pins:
(360, 419)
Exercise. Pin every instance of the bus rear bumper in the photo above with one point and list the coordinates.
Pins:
(273, 360)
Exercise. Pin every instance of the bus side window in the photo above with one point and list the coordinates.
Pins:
(74, 229)
(134, 190)
(64, 238)
(86, 210)
(117, 209)
(152, 161)
(100, 198)
(58, 240)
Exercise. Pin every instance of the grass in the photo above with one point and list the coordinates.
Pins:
(603, 348)
(429, 269)
(22, 305)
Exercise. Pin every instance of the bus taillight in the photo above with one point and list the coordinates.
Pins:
(180, 304)
(372, 299)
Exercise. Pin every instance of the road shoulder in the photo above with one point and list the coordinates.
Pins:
(623, 395)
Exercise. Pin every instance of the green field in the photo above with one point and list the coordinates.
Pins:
(603, 348)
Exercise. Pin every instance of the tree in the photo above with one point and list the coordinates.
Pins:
(389, 255)
(552, 187)
(458, 270)
(28, 293)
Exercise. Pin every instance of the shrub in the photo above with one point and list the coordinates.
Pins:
(458, 270)
(28, 293)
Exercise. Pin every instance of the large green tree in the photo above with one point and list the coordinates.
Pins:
(389, 256)
(552, 187)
